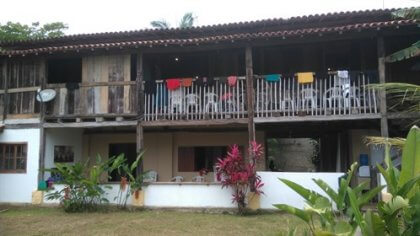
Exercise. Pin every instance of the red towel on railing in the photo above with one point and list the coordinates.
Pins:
(187, 82)
(173, 83)
(232, 81)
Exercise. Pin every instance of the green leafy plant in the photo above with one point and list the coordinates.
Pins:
(82, 191)
(130, 183)
(339, 221)
(401, 214)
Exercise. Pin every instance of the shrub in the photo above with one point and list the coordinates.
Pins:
(82, 191)
(233, 172)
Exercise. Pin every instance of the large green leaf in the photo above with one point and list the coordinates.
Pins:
(366, 197)
(305, 216)
(342, 190)
(356, 211)
(408, 186)
(308, 195)
(343, 228)
(375, 225)
(410, 164)
(327, 189)
(395, 204)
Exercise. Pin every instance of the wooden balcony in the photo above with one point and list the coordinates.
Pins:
(326, 98)
(95, 101)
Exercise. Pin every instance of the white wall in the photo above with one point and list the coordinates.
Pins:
(276, 192)
(110, 195)
(17, 188)
(66, 137)
(188, 195)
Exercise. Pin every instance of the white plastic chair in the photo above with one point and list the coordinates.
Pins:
(334, 96)
(177, 179)
(308, 97)
(150, 176)
(191, 101)
(351, 94)
(288, 102)
(198, 179)
(211, 102)
(175, 101)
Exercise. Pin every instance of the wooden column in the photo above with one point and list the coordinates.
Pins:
(250, 93)
(140, 108)
(6, 85)
(43, 80)
(382, 92)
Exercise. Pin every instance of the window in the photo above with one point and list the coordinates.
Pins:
(194, 159)
(13, 157)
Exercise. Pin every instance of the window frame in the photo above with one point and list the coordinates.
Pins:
(13, 171)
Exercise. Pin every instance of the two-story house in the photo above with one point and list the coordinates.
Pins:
(300, 86)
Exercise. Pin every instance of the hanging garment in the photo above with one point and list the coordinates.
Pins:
(232, 81)
(187, 82)
(272, 77)
(305, 77)
(200, 81)
(173, 84)
(344, 74)
(150, 87)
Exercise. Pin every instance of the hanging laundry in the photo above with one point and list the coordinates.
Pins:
(344, 74)
(173, 83)
(232, 81)
(200, 81)
(187, 82)
(272, 77)
(305, 77)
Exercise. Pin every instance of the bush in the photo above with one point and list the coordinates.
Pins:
(233, 172)
(82, 191)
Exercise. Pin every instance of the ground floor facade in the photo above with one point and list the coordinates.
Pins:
(183, 153)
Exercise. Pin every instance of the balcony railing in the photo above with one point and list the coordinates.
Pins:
(92, 100)
(329, 95)
(215, 101)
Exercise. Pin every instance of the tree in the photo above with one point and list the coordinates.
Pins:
(13, 31)
(186, 21)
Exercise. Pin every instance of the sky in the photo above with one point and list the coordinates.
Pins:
(91, 16)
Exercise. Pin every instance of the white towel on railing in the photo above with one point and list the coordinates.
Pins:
(343, 74)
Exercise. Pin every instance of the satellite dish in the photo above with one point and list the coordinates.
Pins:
(45, 95)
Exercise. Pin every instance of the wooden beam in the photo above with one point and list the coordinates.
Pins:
(6, 85)
(42, 135)
(140, 109)
(195, 123)
(285, 119)
(250, 93)
(382, 92)
(92, 124)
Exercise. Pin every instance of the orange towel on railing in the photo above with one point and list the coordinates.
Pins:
(173, 83)
(305, 77)
(232, 81)
(187, 82)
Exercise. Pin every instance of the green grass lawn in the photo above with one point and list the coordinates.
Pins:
(53, 221)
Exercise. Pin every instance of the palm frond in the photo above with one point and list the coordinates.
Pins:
(187, 20)
(394, 142)
(160, 24)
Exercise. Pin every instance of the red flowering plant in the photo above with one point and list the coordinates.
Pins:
(241, 176)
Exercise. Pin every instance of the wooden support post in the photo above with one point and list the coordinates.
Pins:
(139, 108)
(6, 86)
(43, 80)
(382, 92)
(250, 93)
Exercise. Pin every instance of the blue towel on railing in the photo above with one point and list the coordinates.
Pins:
(272, 77)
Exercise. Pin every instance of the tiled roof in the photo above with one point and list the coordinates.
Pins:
(271, 28)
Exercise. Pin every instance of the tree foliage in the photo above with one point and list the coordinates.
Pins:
(186, 21)
(14, 31)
